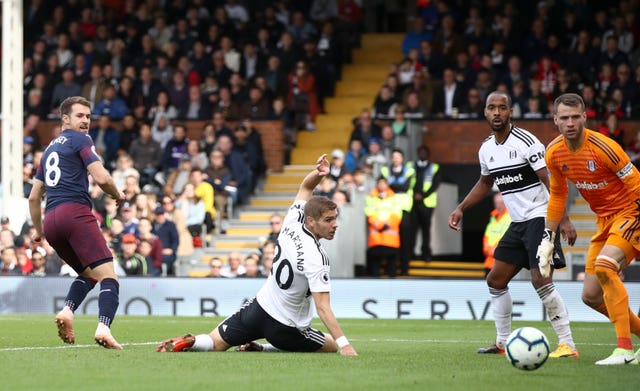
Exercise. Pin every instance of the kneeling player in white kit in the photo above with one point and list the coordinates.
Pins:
(281, 311)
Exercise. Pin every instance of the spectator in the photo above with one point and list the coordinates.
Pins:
(375, 158)
(124, 168)
(148, 153)
(252, 269)
(185, 245)
(268, 253)
(611, 129)
(64, 89)
(162, 130)
(168, 235)
(365, 128)
(215, 268)
(178, 91)
(193, 207)
(425, 199)
(93, 89)
(383, 221)
(111, 105)
(39, 265)
(240, 171)
(129, 259)
(302, 97)
(220, 126)
(9, 265)
(106, 139)
(249, 143)
(276, 77)
(384, 104)
(256, 107)
(448, 99)
(175, 149)
(177, 179)
(234, 266)
(220, 71)
(196, 109)
(129, 219)
(473, 107)
(413, 39)
(129, 131)
(146, 89)
(162, 105)
(337, 167)
(275, 224)
(203, 191)
(300, 29)
(219, 176)
(356, 155)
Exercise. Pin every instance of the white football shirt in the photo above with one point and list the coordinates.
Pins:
(512, 165)
(300, 266)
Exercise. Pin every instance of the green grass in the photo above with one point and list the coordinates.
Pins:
(393, 355)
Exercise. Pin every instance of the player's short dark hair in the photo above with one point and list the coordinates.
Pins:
(316, 206)
(65, 106)
(500, 93)
(571, 100)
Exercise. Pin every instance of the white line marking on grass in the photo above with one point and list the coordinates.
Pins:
(70, 346)
(374, 340)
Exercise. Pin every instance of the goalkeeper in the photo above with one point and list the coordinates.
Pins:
(608, 181)
(513, 159)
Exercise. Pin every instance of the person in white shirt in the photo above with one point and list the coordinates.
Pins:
(281, 312)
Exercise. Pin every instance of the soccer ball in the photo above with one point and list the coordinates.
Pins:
(527, 348)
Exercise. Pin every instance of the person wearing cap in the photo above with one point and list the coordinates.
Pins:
(129, 219)
(337, 167)
(69, 226)
(168, 233)
(131, 261)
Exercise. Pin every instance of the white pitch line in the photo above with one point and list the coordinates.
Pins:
(375, 340)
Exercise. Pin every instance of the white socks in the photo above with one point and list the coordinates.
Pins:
(203, 343)
(557, 313)
(502, 307)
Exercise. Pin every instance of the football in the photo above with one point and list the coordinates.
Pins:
(527, 348)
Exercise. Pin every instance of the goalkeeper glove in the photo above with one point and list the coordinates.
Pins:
(545, 253)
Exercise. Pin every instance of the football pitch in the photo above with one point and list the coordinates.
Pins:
(393, 355)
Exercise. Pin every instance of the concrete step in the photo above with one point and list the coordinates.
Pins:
(385, 41)
(329, 140)
(271, 202)
(255, 216)
(285, 178)
(365, 90)
(309, 153)
(244, 231)
(382, 57)
(289, 188)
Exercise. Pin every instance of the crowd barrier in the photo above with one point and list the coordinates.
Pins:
(350, 298)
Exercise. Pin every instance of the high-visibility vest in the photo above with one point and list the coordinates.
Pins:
(383, 219)
(430, 172)
(497, 226)
(405, 200)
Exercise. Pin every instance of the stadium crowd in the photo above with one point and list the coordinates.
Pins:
(150, 67)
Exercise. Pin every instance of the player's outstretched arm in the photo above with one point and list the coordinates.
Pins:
(323, 308)
(103, 179)
(312, 179)
(477, 193)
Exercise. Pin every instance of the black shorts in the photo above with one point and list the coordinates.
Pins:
(519, 245)
(251, 322)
